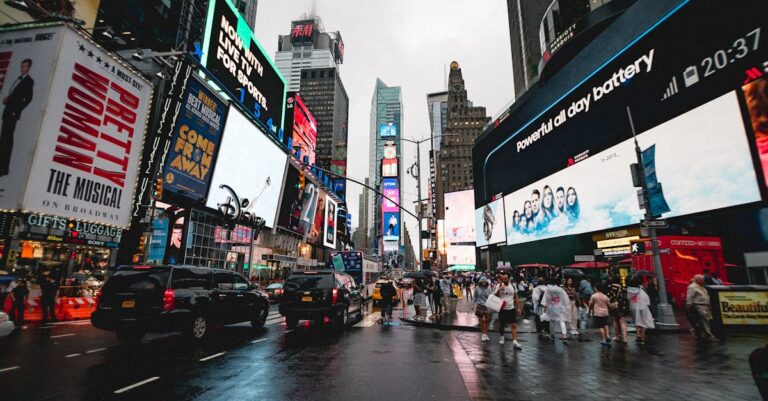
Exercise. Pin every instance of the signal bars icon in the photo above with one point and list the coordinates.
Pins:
(671, 89)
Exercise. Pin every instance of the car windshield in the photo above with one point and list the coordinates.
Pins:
(275, 285)
(308, 282)
(137, 281)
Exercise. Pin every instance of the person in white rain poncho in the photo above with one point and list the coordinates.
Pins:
(639, 305)
(536, 297)
(556, 308)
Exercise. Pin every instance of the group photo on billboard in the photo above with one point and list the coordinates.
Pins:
(572, 201)
(258, 179)
(196, 138)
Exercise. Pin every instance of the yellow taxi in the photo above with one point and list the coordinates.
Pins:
(376, 297)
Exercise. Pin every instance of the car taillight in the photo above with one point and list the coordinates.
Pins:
(169, 299)
(279, 291)
(98, 298)
(335, 295)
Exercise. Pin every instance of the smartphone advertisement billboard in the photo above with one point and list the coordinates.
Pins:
(694, 95)
(390, 189)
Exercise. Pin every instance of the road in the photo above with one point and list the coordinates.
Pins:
(75, 361)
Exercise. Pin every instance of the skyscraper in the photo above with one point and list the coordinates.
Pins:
(309, 58)
(247, 9)
(361, 234)
(463, 125)
(385, 131)
(524, 21)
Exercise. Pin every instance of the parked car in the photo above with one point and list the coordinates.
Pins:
(376, 297)
(274, 291)
(320, 294)
(6, 325)
(137, 300)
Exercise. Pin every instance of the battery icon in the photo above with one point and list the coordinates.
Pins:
(690, 76)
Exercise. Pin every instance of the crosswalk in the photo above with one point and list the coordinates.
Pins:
(274, 317)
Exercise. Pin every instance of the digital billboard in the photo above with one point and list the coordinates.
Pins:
(235, 57)
(387, 130)
(73, 124)
(329, 235)
(391, 226)
(389, 167)
(302, 128)
(691, 83)
(489, 223)
(196, 136)
(291, 202)
(460, 217)
(258, 179)
(315, 235)
(461, 255)
(303, 31)
(390, 189)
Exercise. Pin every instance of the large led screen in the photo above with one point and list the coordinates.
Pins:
(391, 226)
(233, 54)
(304, 129)
(461, 255)
(329, 235)
(388, 130)
(693, 85)
(389, 167)
(597, 193)
(489, 223)
(459, 217)
(315, 235)
(256, 178)
(390, 190)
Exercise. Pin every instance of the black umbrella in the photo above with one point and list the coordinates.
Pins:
(504, 269)
(429, 273)
(642, 273)
(573, 272)
(418, 274)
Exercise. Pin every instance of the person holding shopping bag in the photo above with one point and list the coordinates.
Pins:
(482, 292)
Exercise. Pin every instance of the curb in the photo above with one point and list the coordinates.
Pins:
(453, 327)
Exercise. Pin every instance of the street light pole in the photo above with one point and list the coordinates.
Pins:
(418, 194)
(665, 315)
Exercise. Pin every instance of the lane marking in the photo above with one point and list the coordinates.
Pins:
(259, 340)
(46, 327)
(143, 382)
(62, 335)
(73, 355)
(207, 358)
(7, 369)
(91, 351)
(288, 331)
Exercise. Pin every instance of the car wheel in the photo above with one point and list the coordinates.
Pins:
(129, 337)
(260, 318)
(291, 322)
(198, 328)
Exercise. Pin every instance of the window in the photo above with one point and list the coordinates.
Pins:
(223, 280)
(191, 279)
(241, 284)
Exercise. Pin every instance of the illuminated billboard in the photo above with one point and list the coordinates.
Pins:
(391, 226)
(389, 167)
(461, 255)
(329, 234)
(196, 137)
(258, 179)
(303, 31)
(692, 84)
(460, 217)
(390, 189)
(489, 223)
(387, 130)
(301, 128)
(235, 57)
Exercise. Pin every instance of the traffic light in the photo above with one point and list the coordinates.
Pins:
(157, 192)
(300, 184)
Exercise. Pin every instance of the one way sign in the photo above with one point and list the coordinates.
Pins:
(654, 223)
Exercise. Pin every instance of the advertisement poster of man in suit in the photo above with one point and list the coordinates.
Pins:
(18, 98)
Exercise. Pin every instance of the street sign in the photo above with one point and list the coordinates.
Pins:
(654, 223)
(598, 252)
(584, 258)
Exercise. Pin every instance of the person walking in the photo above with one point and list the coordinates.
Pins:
(467, 287)
(556, 308)
(482, 292)
(598, 308)
(537, 295)
(585, 290)
(508, 313)
(619, 309)
(19, 298)
(437, 299)
(445, 288)
(639, 305)
(574, 301)
(49, 287)
(387, 291)
(419, 300)
(698, 304)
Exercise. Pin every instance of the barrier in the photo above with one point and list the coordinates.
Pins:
(67, 308)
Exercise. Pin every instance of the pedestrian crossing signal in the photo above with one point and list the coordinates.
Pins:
(157, 192)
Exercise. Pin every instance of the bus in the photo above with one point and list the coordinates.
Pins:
(364, 269)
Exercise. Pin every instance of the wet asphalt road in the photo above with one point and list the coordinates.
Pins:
(75, 361)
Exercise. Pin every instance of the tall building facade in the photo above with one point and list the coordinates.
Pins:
(437, 107)
(360, 237)
(309, 59)
(464, 124)
(247, 9)
(524, 20)
(385, 131)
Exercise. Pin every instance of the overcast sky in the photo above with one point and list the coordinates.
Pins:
(406, 43)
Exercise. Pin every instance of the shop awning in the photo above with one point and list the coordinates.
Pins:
(462, 268)
(589, 265)
(534, 266)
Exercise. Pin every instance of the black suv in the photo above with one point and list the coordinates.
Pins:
(319, 294)
(159, 299)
